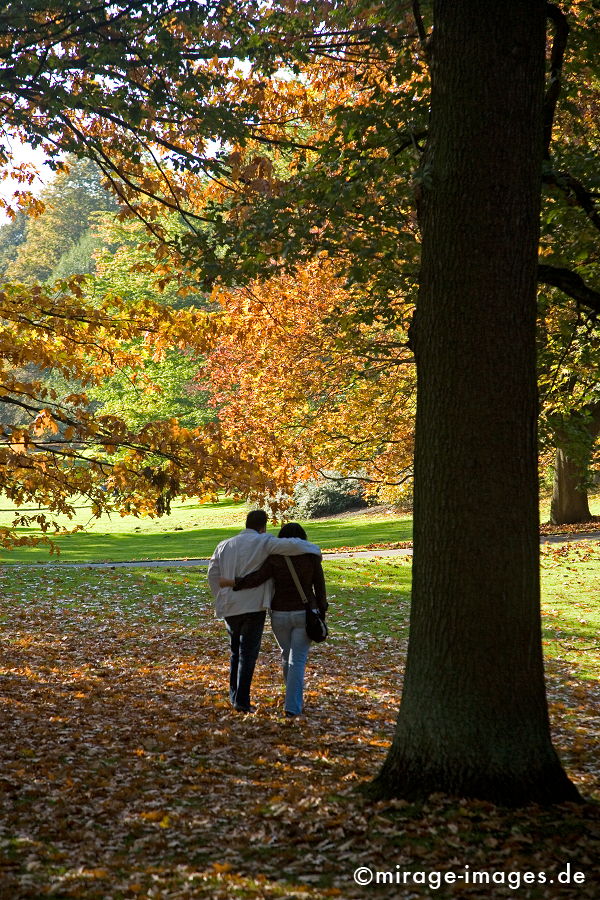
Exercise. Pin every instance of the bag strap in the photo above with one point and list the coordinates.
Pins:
(294, 575)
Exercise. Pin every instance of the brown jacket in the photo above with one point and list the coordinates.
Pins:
(286, 597)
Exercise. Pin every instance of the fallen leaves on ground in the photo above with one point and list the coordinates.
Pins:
(577, 528)
(376, 545)
(124, 772)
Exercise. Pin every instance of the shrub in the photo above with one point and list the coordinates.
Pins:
(327, 497)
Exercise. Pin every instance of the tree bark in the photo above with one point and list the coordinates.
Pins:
(569, 503)
(473, 719)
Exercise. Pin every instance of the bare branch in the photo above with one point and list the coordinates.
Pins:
(416, 7)
(423, 39)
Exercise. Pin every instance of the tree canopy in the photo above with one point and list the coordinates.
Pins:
(300, 385)
(58, 449)
(290, 128)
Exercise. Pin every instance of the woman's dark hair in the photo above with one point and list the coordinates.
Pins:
(292, 529)
(257, 520)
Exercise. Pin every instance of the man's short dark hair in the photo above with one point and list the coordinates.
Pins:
(257, 520)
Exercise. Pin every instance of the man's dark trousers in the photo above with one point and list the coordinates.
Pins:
(245, 634)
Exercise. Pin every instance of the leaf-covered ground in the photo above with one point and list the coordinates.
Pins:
(124, 773)
(579, 528)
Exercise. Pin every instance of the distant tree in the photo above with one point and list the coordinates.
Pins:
(12, 235)
(576, 442)
(311, 391)
(75, 194)
(568, 366)
(126, 268)
(80, 258)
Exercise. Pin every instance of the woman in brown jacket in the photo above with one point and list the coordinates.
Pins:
(288, 615)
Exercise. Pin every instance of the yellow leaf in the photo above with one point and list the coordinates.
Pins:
(221, 868)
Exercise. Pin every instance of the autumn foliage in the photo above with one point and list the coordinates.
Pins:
(268, 169)
(306, 387)
(56, 448)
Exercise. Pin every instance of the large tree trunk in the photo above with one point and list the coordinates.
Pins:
(473, 718)
(569, 495)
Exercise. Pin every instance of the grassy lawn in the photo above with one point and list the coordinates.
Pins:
(192, 531)
(571, 605)
(594, 503)
(125, 774)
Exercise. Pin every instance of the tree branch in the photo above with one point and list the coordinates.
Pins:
(571, 284)
(559, 45)
(575, 191)
(424, 41)
(416, 8)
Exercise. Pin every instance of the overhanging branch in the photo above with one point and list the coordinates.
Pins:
(572, 284)
(576, 193)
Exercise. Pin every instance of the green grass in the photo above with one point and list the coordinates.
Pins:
(360, 531)
(184, 514)
(571, 605)
(370, 599)
(192, 531)
(594, 502)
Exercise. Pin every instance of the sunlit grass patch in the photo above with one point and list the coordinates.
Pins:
(192, 531)
(369, 599)
(571, 605)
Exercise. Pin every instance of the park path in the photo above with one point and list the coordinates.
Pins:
(337, 554)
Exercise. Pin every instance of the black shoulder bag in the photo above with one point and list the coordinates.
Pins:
(316, 626)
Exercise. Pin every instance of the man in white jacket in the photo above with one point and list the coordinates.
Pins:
(244, 612)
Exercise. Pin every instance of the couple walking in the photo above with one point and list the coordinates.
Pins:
(248, 574)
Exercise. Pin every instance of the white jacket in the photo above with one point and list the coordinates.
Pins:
(241, 555)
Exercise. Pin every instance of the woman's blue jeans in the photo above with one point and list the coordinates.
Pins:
(289, 629)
